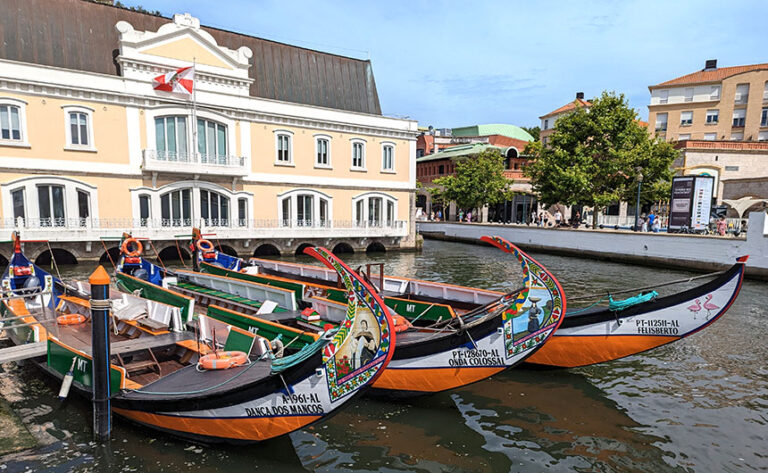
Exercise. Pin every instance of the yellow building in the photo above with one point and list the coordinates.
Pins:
(279, 146)
(718, 117)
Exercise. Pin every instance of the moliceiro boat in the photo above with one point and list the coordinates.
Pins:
(600, 334)
(585, 337)
(167, 371)
(442, 343)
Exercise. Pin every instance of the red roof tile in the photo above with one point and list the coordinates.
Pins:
(568, 106)
(715, 75)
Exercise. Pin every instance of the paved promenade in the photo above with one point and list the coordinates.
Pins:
(702, 253)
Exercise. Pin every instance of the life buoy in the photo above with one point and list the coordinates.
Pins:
(70, 319)
(223, 360)
(401, 323)
(125, 247)
(204, 245)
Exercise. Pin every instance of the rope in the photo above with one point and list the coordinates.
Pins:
(157, 255)
(114, 267)
(178, 250)
(640, 289)
(424, 312)
(53, 260)
(282, 364)
(578, 311)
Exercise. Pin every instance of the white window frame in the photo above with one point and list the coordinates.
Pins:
(765, 92)
(154, 194)
(714, 92)
(166, 111)
(327, 138)
(292, 220)
(658, 122)
(393, 147)
(738, 136)
(740, 98)
(739, 113)
(22, 105)
(688, 94)
(663, 96)
(32, 205)
(762, 136)
(205, 157)
(278, 133)
(684, 137)
(714, 112)
(91, 146)
(710, 136)
(686, 121)
(763, 117)
(352, 144)
(365, 198)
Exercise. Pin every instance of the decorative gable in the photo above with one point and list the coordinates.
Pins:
(147, 54)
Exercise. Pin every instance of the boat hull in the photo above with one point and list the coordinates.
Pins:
(600, 336)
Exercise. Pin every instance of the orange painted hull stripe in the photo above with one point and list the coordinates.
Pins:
(431, 379)
(245, 428)
(569, 352)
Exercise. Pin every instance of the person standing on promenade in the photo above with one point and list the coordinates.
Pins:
(651, 219)
(656, 226)
(558, 218)
(721, 226)
(577, 220)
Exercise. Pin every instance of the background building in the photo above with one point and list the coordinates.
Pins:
(464, 143)
(286, 146)
(719, 118)
(548, 121)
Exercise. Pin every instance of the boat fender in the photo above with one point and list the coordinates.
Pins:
(223, 360)
(125, 247)
(278, 348)
(401, 323)
(70, 319)
(67, 382)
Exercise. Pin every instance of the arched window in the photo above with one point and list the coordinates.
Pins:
(190, 203)
(358, 154)
(171, 138)
(211, 141)
(78, 126)
(214, 208)
(13, 123)
(374, 209)
(50, 201)
(176, 208)
(283, 147)
(304, 208)
(322, 151)
(388, 157)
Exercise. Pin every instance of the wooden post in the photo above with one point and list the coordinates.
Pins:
(102, 420)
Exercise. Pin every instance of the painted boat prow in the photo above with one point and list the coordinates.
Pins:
(496, 336)
(601, 335)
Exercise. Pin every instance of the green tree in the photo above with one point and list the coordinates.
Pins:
(594, 158)
(478, 180)
(534, 131)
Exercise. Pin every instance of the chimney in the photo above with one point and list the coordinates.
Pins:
(580, 95)
(710, 65)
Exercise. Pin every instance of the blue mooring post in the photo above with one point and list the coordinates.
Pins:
(102, 420)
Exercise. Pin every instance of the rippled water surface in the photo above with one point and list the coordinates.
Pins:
(700, 404)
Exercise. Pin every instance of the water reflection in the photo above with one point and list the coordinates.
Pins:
(697, 405)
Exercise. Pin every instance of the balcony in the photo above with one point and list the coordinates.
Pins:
(91, 229)
(193, 163)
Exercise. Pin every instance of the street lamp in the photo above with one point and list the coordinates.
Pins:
(639, 170)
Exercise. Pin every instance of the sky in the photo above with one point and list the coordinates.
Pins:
(458, 63)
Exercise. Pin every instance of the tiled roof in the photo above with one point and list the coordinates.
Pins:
(459, 151)
(568, 106)
(715, 75)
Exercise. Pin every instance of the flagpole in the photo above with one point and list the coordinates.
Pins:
(194, 108)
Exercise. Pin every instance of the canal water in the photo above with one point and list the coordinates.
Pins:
(700, 404)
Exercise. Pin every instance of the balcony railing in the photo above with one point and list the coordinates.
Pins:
(85, 229)
(170, 161)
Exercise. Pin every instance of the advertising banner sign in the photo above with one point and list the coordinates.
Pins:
(702, 202)
(680, 203)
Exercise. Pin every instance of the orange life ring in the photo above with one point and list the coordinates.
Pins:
(223, 360)
(70, 319)
(137, 252)
(401, 323)
(204, 245)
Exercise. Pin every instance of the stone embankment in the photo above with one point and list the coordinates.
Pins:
(701, 253)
